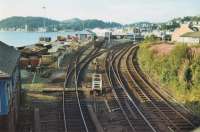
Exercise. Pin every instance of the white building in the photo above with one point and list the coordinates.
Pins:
(85, 35)
(41, 29)
(176, 35)
(190, 38)
(101, 32)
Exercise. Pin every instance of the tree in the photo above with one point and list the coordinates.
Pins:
(151, 38)
(188, 76)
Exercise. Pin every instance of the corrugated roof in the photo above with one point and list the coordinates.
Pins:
(192, 34)
(8, 58)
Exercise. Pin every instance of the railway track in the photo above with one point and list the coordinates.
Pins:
(50, 113)
(52, 119)
(164, 116)
(70, 75)
(142, 107)
(118, 122)
(75, 111)
(135, 118)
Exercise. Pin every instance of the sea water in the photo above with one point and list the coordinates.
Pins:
(18, 39)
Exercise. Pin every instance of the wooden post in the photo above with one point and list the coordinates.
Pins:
(37, 127)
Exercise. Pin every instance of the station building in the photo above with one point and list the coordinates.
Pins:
(10, 85)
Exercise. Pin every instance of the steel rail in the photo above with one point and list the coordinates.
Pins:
(161, 114)
(110, 60)
(77, 75)
(69, 73)
(119, 78)
(63, 96)
(77, 96)
(158, 95)
(79, 66)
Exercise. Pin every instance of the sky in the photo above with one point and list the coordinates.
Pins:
(123, 11)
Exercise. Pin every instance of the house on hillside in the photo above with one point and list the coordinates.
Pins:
(85, 35)
(190, 38)
(187, 33)
(176, 35)
(196, 24)
(10, 85)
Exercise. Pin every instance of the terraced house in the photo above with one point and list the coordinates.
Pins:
(9, 87)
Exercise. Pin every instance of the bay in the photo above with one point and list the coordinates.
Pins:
(18, 39)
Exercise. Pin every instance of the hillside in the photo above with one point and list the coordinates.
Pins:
(34, 23)
(168, 25)
(176, 67)
(175, 23)
(78, 24)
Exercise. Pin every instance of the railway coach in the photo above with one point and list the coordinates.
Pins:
(9, 87)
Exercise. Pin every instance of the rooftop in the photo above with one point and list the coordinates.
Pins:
(192, 34)
(8, 59)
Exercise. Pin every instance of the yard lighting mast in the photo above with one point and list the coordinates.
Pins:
(44, 22)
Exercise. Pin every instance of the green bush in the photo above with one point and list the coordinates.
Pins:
(151, 39)
(195, 67)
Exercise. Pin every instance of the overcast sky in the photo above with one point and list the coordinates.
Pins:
(123, 11)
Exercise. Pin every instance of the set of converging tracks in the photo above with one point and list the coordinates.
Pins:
(142, 106)
(76, 116)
